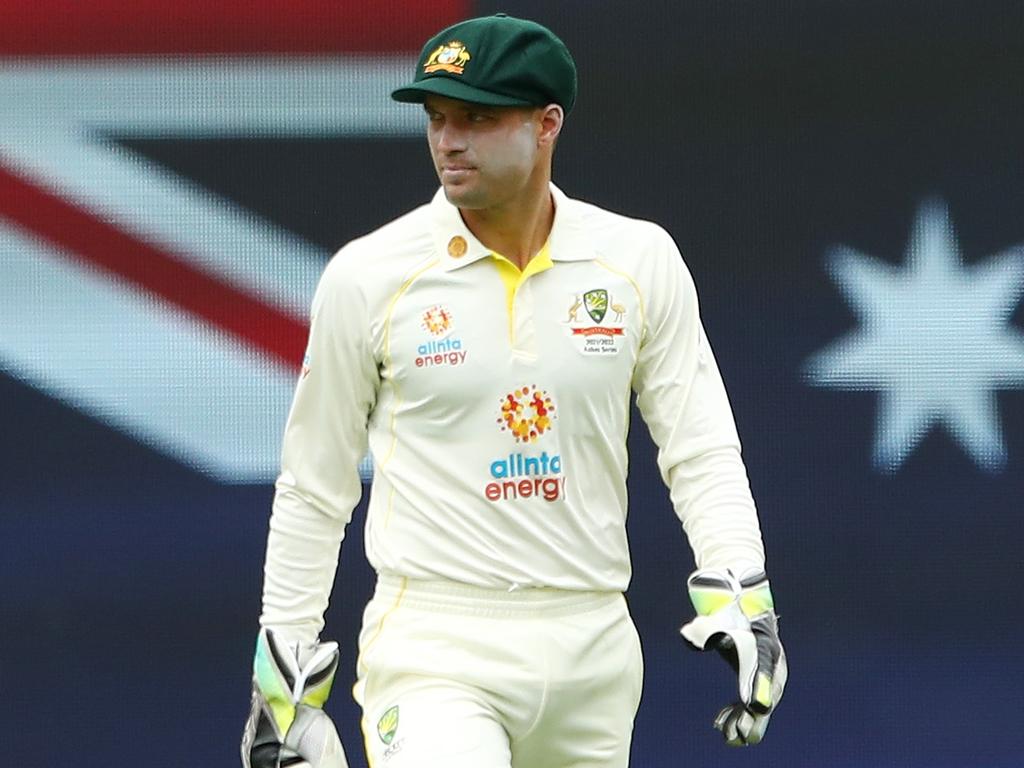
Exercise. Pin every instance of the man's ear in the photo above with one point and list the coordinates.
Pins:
(550, 124)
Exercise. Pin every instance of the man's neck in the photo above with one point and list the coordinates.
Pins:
(517, 230)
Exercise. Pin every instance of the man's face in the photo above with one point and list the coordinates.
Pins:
(483, 155)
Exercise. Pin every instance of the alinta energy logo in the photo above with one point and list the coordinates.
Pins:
(442, 348)
(437, 320)
(528, 415)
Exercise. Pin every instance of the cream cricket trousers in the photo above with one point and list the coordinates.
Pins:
(452, 676)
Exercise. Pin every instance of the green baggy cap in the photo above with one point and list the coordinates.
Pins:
(497, 60)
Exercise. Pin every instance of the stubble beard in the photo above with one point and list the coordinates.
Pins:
(463, 196)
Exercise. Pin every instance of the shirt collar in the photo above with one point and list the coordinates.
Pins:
(457, 246)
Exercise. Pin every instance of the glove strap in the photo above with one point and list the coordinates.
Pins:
(712, 591)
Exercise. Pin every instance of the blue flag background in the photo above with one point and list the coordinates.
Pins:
(764, 137)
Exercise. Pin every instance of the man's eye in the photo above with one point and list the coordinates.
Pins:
(477, 117)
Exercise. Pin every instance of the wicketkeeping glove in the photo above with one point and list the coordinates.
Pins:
(287, 725)
(736, 617)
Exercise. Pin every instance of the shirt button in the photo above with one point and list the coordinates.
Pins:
(457, 247)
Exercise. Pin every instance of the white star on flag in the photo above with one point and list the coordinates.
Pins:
(934, 340)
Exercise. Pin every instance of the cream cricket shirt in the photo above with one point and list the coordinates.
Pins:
(495, 405)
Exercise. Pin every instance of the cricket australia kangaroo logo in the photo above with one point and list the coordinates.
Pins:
(596, 303)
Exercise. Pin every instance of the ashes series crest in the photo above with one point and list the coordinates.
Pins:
(595, 336)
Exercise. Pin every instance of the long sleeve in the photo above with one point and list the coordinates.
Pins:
(683, 401)
(325, 437)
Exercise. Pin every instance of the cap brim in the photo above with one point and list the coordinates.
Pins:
(416, 93)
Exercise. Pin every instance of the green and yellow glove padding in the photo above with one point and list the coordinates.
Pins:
(287, 725)
(736, 617)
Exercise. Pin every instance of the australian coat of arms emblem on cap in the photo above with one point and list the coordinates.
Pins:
(450, 57)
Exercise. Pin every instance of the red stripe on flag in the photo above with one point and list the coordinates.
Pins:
(99, 244)
(151, 27)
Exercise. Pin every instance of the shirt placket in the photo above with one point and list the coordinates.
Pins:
(523, 326)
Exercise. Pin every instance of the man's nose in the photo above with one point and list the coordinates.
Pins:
(451, 138)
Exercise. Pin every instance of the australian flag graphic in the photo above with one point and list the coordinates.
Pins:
(845, 183)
